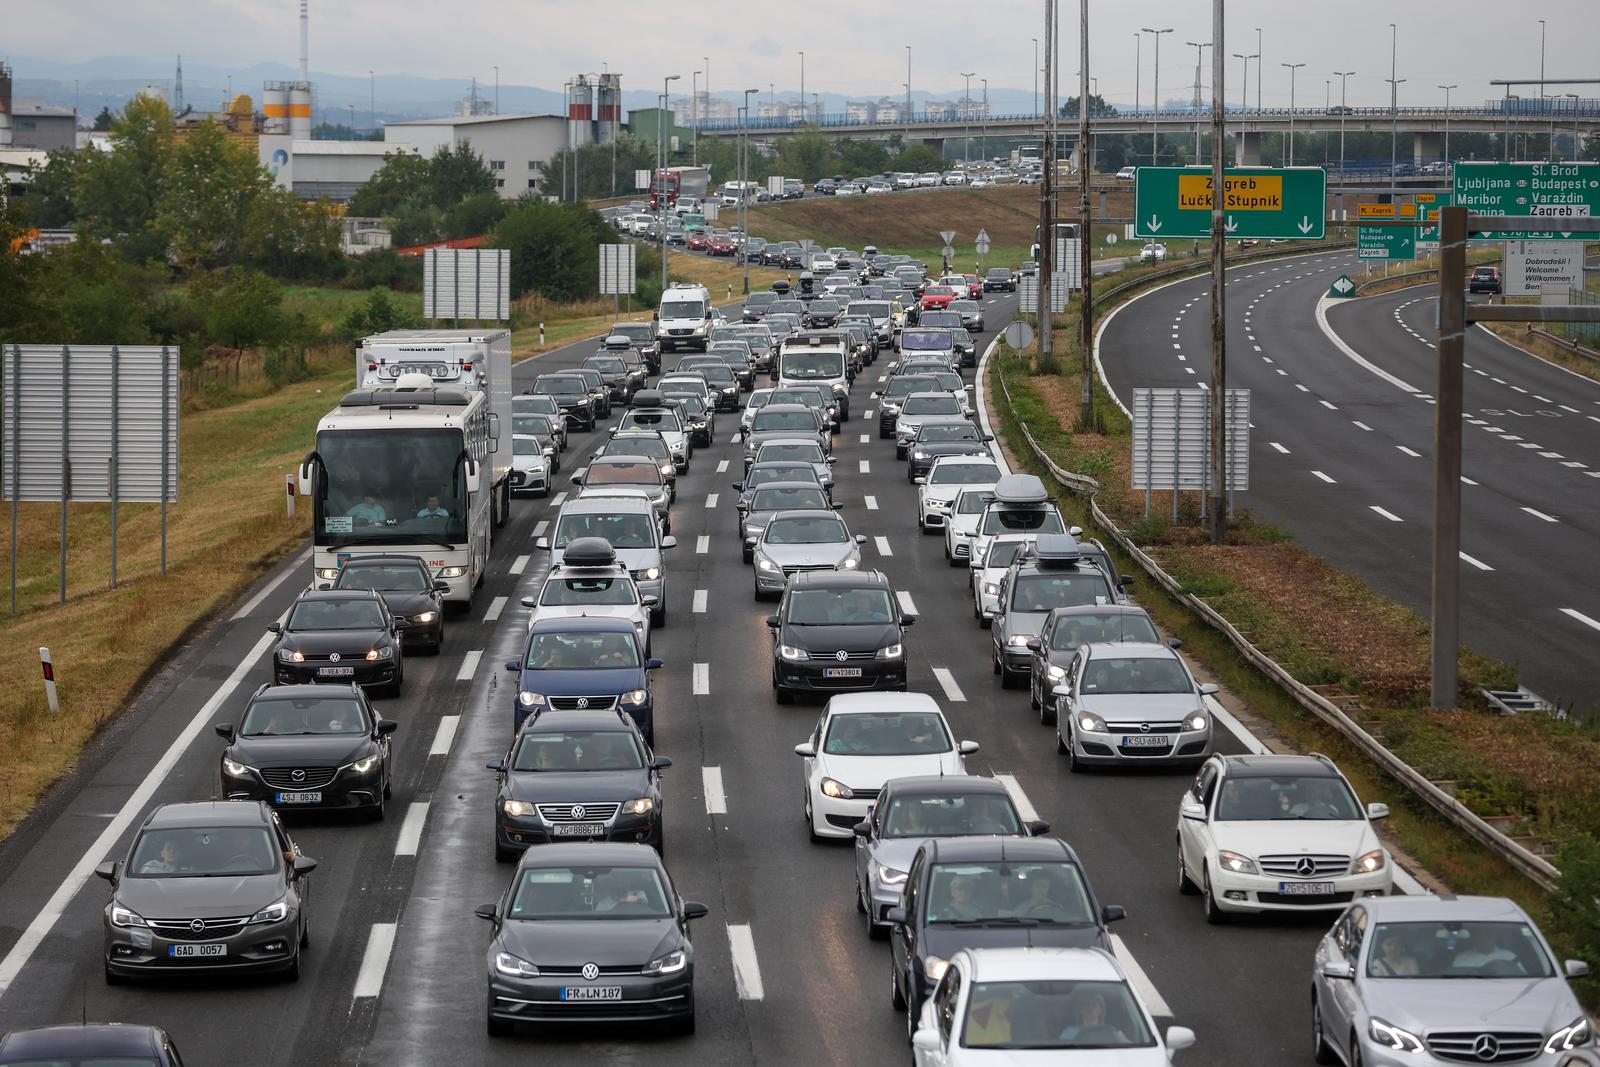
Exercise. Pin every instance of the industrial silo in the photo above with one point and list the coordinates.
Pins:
(5, 106)
(300, 111)
(275, 107)
(580, 111)
(608, 116)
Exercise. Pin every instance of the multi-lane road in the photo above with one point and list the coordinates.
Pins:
(1342, 445)
(785, 972)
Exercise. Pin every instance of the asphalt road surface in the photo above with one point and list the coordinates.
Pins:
(1342, 444)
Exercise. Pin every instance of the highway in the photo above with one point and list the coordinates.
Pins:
(785, 972)
(1342, 444)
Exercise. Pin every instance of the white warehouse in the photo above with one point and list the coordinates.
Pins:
(512, 145)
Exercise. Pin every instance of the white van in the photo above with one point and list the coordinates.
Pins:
(684, 318)
(817, 359)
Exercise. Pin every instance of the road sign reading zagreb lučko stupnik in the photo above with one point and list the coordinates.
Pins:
(1261, 202)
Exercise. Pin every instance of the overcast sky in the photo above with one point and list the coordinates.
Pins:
(851, 48)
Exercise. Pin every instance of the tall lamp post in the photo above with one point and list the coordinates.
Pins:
(984, 119)
(1394, 107)
(744, 182)
(496, 89)
(1259, 54)
(966, 112)
(1289, 154)
(1574, 98)
(1199, 58)
(908, 96)
(1036, 77)
(661, 155)
(1138, 59)
(1155, 98)
(1244, 81)
(1342, 76)
(802, 88)
(1447, 89)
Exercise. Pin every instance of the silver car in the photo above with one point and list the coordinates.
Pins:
(1128, 702)
(591, 583)
(920, 408)
(650, 411)
(989, 570)
(802, 540)
(630, 526)
(798, 450)
(770, 500)
(1426, 981)
(636, 472)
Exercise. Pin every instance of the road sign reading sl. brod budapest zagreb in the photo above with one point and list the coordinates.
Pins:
(1540, 190)
(1261, 202)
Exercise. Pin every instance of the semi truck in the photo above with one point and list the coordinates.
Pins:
(416, 460)
(670, 183)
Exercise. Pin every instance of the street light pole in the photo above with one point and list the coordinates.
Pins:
(1085, 245)
(1289, 155)
(802, 88)
(661, 149)
(984, 119)
(966, 113)
(694, 114)
(744, 183)
(1155, 99)
(1047, 189)
(1138, 60)
(1036, 77)
(497, 89)
(1219, 367)
(1259, 54)
(1447, 89)
(1244, 81)
(1574, 98)
(1199, 54)
(1344, 74)
(1394, 108)
(908, 96)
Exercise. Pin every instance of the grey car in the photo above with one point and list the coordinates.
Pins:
(768, 500)
(779, 422)
(1431, 981)
(1050, 574)
(637, 472)
(920, 409)
(798, 450)
(802, 541)
(630, 526)
(1128, 702)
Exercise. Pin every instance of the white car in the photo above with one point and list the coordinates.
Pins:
(753, 403)
(1278, 833)
(822, 263)
(955, 177)
(530, 464)
(589, 582)
(981, 183)
(1153, 253)
(961, 524)
(936, 490)
(987, 570)
(862, 740)
(929, 180)
(1056, 1006)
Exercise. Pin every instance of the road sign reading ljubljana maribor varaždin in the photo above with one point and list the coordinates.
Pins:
(1260, 202)
(1540, 190)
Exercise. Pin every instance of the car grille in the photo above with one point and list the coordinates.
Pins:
(1153, 750)
(592, 703)
(298, 777)
(864, 794)
(604, 970)
(1288, 866)
(210, 929)
(808, 567)
(1139, 727)
(599, 811)
(1503, 1047)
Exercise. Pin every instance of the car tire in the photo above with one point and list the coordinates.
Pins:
(748, 555)
(292, 972)
(1033, 693)
(1320, 1051)
(1006, 679)
(1186, 886)
(683, 1025)
(305, 936)
(782, 694)
(113, 978)
(376, 814)
(811, 825)
(1215, 916)
(1047, 711)
(658, 616)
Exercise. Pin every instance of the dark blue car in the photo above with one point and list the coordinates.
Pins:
(584, 665)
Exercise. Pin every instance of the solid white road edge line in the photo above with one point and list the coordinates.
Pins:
(1356, 357)
(1249, 740)
(469, 665)
(410, 838)
(746, 971)
(267, 590)
(445, 736)
(716, 799)
(947, 682)
(1147, 989)
(375, 961)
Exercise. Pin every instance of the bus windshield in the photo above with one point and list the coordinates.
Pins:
(803, 366)
(386, 487)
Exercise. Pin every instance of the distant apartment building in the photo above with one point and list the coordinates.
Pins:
(860, 111)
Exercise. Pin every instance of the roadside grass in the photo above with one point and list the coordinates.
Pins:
(1518, 336)
(329, 306)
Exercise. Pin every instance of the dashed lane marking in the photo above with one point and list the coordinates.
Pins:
(702, 545)
(907, 605)
(540, 527)
(1279, 447)
(1536, 513)
(1325, 478)
(411, 829)
(866, 466)
(702, 679)
(1478, 563)
(1581, 617)
(711, 783)
(469, 665)
(711, 500)
(445, 736)
(375, 961)
(1409, 452)
(722, 466)
(520, 564)
(700, 598)
(947, 682)
(496, 606)
(883, 546)
(1363, 425)
(871, 502)
(746, 969)
(1391, 516)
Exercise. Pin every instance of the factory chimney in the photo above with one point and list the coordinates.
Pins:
(305, 42)
(5, 106)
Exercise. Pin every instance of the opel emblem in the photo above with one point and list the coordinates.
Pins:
(577, 811)
(590, 972)
(841, 655)
(583, 702)
(197, 925)
(1305, 866)
(298, 774)
(333, 657)
(1144, 728)
(1486, 1048)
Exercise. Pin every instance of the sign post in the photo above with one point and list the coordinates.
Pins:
(1280, 203)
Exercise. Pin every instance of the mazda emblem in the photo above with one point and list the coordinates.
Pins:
(590, 972)
(1305, 866)
(841, 655)
(298, 774)
(577, 811)
(583, 702)
(333, 657)
(197, 925)
(1486, 1048)
(1144, 728)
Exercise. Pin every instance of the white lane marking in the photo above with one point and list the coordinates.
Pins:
(559, 499)
(734, 439)
(1281, 371)
(42, 923)
(1279, 447)
(1467, 481)
(540, 527)
(1519, 388)
(722, 466)
(1141, 981)
(1361, 424)
(1409, 452)
(1478, 563)
(469, 665)
(711, 783)
(1408, 883)
(702, 544)
(1391, 516)
(700, 598)
(866, 438)
(883, 546)
(1529, 444)
(445, 736)
(869, 413)
(1543, 399)
(375, 961)
(871, 502)
(866, 466)
(1189, 369)
(907, 605)
(1551, 455)
(947, 682)
(1329, 406)
(520, 564)
(883, 377)
(1235, 727)
(711, 500)
(746, 971)
(1541, 515)
(411, 830)
(496, 606)
(1575, 411)
(1581, 617)
(1574, 463)
(1302, 388)
(1325, 478)
(267, 590)
(1025, 806)
(1498, 381)
(1176, 345)
(702, 679)
(1182, 358)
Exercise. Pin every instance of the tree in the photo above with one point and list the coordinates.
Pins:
(918, 158)
(857, 158)
(29, 310)
(555, 248)
(119, 192)
(400, 178)
(50, 201)
(102, 121)
(457, 173)
(103, 300)
(807, 155)
(245, 310)
(212, 184)
(292, 239)
(475, 215)
(378, 314)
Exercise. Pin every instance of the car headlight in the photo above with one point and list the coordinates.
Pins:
(635, 697)
(1197, 721)
(365, 766)
(650, 574)
(385, 652)
(671, 963)
(514, 966)
(517, 808)
(935, 967)
(919, 454)
(666, 468)
(765, 564)
(275, 912)
(426, 616)
(891, 409)
(700, 328)
(1238, 864)
(790, 652)
(237, 770)
(290, 655)
(836, 789)
(1090, 723)
(330, 574)
(1055, 673)
(121, 916)
(839, 389)
(452, 572)
(894, 651)
(1392, 1037)
(1574, 1035)
(1017, 641)
(850, 562)
(530, 700)
(639, 806)
(891, 877)
(1369, 862)
(991, 589)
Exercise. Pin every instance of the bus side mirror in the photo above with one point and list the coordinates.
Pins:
(474, 481)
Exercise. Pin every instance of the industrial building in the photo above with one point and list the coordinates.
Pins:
(33, 123)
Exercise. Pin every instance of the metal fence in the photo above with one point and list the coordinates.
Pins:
(1585, 333)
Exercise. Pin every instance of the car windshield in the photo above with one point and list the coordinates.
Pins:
(757, 299)
(999, 272)
(562, 386)
(890, 733)
(954, 815)
(682, 309)
(623, 474)
(931, 405)
(806, 365)
(963, 305)
(803, 451)
(363, 614)
(203, 852)
(877, 309)
(806, 530)
(786, 473)
(795, 498)
(715, 372)
(579, 651)
(1059, 589)
(965, 474)
(653, 447)
(385, 577)
(1450, 949)
(807, 396)
(298, 716)
(948, 431)
(1031, 520)
(904, 384)
(621, 529)
(1145, 674)
(1003, 553)
(784, 420)
(840, 607)
(578, 750)
(1319, 797)
(642, 332)
(1051, 892)
(606, 364)
(663, 421)
(926, 341)
(564, 592)
(971, 503)
(587, 894)
(1073, 631)
(531, 425)
(758, 399)
(1054, 1014)
(523, 445)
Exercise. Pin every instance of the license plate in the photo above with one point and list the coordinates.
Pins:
(591, 992)
(187, 951)
(1304, 889)
(299, 798)
(841, 672)
(1145, 741)
(335, 672)
(579, 829)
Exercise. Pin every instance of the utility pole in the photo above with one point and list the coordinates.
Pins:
(1199, 54)
(1244, 82)
(1155, 100)
(661, 141)
(1343, 74)
(1085, 245)
(694, 113)
(1259, 65)
(1289, 149)
(1219, 355)
(1447, 89)
(1394, 108)
(1036, 76)
(802, 88)
(966, 112)
(1047, 220)
(1446, 598)
(908, 96)
(1138, 58)
(744, 182)
(983, 119)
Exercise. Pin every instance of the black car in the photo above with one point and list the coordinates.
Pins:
(340, 635)
(825, 187)
(894, 394)
(770, 472)
(722, 381)
(620, 383)
(755, 509)
(571, 392)
(999, 280)
(756, 304)
(644, 443)
(935, 439)
(642, 335)
(309, 747)
(579, 776)
(698, 420)
(1065, 630)
(590, 933)
(838, 631)
(408, 587)
(549, 430)
(599, 390)
(122, 1044)
(822, 312)
(207, 887)
(1484, 280)
(988, 892)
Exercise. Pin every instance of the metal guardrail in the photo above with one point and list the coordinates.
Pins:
(1534, 867)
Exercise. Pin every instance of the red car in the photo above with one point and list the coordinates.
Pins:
(974, 286)
(721, 246)
(937, 297)
(697, 241)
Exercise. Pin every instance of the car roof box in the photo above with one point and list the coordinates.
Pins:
(1020, 489)
(1055, 550)
(648, 398)
(589, 552)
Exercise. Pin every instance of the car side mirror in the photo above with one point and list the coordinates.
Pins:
(441, 587)
(649, 600)
(1125, 581)
(1037, 827)
(661, 763)
(875, 395)
(908, 620)
(1190, 808)
(739, 486)
(108, 871)
(387, 727)
(861, 539)
(542, 542)
(1376, 810)
(577, 479)
(693, 909)
(805, 748)
(862, 828)
(669, 541)
(487, 911)
(529, 602)
(225, 731)
(1034, 644)
(925, 1039)
(1208, 689)
(1075, 531)
(1577, 969)
(967, 748)
(653, 665)
(773, 621)
(988, 437)
(919, 480)
(832, 460)
(897, 916)
(1179, 1037)
(1113, 913)
(496, 765)
(1338, 969)
(303, 865)
(838, 505)
(275, 628)
(513, 665)
(325, 585)
(1061, 691)
(1174, 642)
(399, 623)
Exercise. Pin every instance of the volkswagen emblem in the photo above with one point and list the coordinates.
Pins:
(577, 811)
(1486, 1048)
(583, 702)
(1305, 866)
(298, 774)
(197, 925)
(841, 655)
(590, 972)
(333, 657)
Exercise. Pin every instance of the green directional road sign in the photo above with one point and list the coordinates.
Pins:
(1540, 190)
(1260, 202)
(1386, 242)
(1342, 286)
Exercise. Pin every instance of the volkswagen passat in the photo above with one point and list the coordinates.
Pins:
(838, 630)
(1124, 703)
(797, 541)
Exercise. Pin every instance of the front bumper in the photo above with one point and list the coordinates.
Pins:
(1260, 892)
(347, 792)
(771, 581)
(530, 481)
(1187, 747)
(810, 675)
(363, 672)
(834, 817)
(513, 832)
(257, 947)
(644, 999)
(1016, 660)
(935, 513)
(880, 897)
(1373, 1055)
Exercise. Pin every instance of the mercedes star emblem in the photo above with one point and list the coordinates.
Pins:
(1486, 1048)
(197, 925)
(583, 702)
(841, 655)
(590, 972)
(298, 774)
(1305, 866)
(577, 811)
(333, 657)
